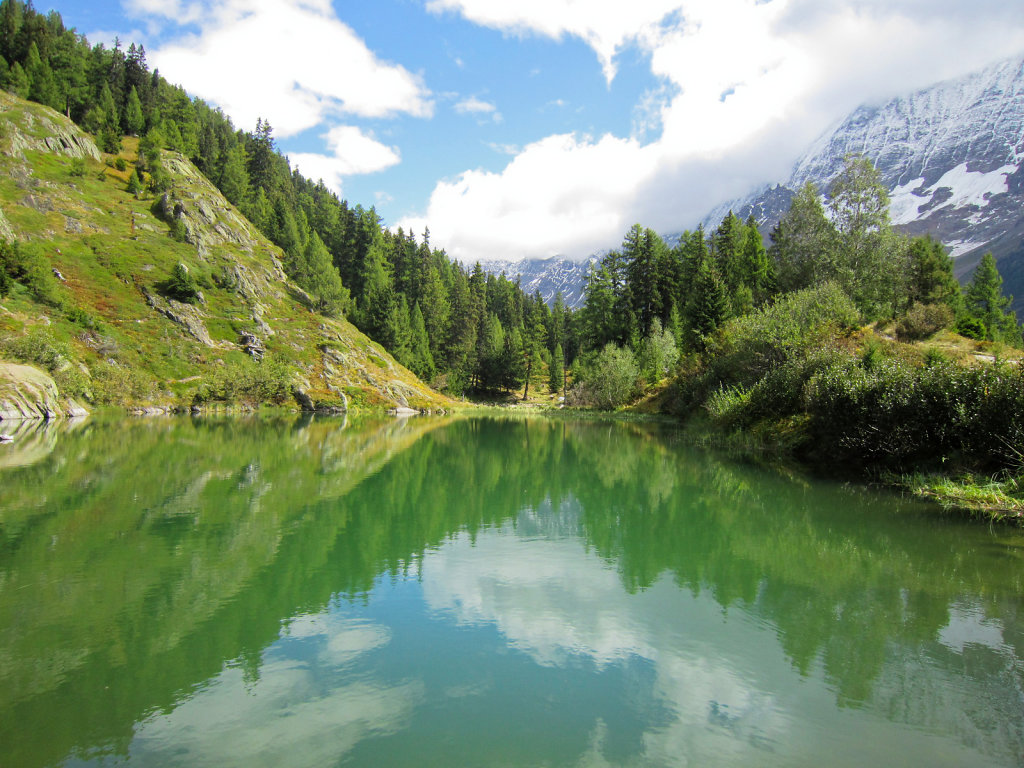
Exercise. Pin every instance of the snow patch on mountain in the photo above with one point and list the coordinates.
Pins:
(957, 188)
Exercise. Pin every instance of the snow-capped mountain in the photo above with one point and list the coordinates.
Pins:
(952, 157)
(549, 276)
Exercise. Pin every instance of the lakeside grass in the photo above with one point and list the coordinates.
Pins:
(992, 499)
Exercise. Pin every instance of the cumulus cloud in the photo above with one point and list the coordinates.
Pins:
(352, 152)
(748, 85)
(291, 61)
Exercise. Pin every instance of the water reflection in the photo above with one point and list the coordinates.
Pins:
(508, 592)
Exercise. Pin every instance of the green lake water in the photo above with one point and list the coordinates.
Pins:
(485, 592)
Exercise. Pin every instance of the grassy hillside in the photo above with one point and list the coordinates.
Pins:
(97, 307)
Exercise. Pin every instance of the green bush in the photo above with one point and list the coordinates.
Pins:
(36, 347)
(247, 382)
(898, 417)
(116, 384)
(608, 381)
(971, 328)
(923, 320)
(182, 285)
(797, 325)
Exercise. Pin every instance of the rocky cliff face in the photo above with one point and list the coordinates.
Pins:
(952, 157)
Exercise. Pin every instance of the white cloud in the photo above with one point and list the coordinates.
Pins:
(479, 108)
(293, 62)
(748, 86)
(182, 13)
(352, 153)
(563, 194)
(473, 105)
(603, 26)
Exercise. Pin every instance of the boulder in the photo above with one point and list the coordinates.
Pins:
(29, 393)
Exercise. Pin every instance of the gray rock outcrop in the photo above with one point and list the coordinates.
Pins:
(29, 393)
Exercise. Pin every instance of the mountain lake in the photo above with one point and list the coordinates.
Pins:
(485, 591)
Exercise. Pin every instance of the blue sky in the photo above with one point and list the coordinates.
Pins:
(548, 127)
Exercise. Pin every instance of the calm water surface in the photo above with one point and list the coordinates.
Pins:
(485, 592)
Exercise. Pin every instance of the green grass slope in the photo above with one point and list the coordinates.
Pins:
(98, 313)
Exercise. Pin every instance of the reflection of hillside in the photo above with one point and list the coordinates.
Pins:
(136, 555)
(160, 550)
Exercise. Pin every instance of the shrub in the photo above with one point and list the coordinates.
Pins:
(923, 320)
(609, 381)
(247, 382)
(35, 347)
(795, 326)
(898, 416)
(971, 327)
(115, 384)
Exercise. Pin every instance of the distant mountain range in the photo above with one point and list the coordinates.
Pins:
(952, 157)
(548, 276)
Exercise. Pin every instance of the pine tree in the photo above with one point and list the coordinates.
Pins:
(986, 303)
(133, 121)
(234, 178)
(556, 373)
(930, 279)
(757, 267)
(42, 85)
(318, 276)
(709, 302)
(18, 82)
(421, 359)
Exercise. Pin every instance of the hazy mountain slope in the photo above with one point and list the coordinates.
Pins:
(951, 156)
(112, 255)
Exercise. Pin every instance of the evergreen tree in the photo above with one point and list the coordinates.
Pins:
(421, 361)
(133, 121)
(708, 307)
(986, 303)
(11, 19)
(318, 276)
(17, 82)
(556, 372)
(757, 267)
(261, 156)
(42, 85)
(234, 178)
(930, 278)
